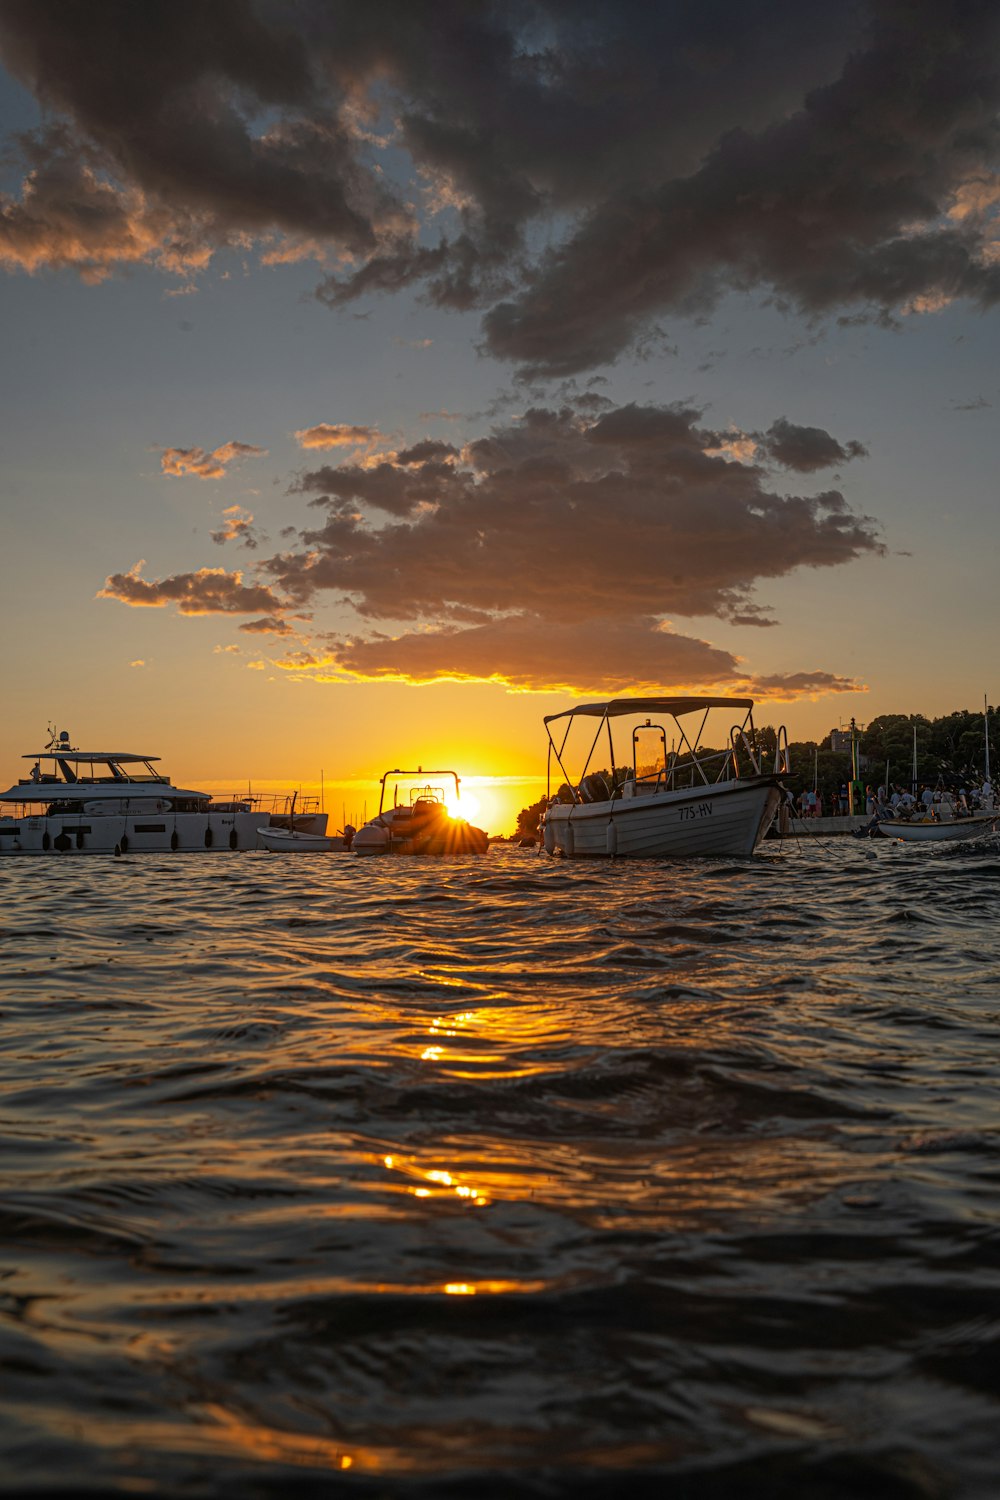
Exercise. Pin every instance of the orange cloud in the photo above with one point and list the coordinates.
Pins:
(237, 527)
(71, 216)
(210, 591)
(196, 463)
(530, 654)
(536, 655)
(338, 435)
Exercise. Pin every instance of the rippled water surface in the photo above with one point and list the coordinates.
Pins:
(502, 1176)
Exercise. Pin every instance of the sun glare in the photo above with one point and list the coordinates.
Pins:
(467, 806)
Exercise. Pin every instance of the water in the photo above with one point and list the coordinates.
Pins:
(502, 1177)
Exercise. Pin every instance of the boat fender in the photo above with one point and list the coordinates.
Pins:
(612, 839)
(123, 843)
(208, 838)
(79, 838)
(569, 840)
(46, 841)
(118, 851)
(174, 840)
(549, 839)
(62, 841)
(233, 840)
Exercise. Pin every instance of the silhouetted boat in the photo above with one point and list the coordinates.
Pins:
(421, 825)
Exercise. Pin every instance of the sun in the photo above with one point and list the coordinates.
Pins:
(467, 806)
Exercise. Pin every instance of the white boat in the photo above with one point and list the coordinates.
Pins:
(420, 820)
(674, 804)
(115, 802)
(292, 832)
(298, 841)
(933, 831)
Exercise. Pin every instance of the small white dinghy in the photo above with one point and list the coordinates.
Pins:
(309, 840)
(920, 831)
(291, 841)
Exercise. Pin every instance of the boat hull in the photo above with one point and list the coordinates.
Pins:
(439, 843)
(934, 833)
(129, 833)
(725, 819)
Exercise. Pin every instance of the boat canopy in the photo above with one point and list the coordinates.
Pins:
(425, 790)
(420, 772)
(66, 753)
(616, 708)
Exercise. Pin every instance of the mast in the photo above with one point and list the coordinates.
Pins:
(986, 735)
(855, 770)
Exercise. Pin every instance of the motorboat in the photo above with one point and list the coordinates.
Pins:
(115, 802)
(675, 803)
(422, 818)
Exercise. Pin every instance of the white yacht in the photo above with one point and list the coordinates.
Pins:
(114, 802)
(686, 801)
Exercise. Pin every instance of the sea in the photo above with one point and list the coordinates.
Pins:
(508, 1176)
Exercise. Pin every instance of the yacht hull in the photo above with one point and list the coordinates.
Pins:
(128, 833)
(725, 819)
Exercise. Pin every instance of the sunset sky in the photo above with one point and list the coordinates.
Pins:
(378, 378)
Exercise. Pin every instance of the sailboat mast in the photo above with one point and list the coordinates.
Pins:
(986, 735)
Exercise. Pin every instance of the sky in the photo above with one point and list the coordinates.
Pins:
(377, 380)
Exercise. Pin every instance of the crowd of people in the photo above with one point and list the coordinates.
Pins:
(884, 802)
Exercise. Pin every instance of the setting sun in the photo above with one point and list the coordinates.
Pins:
(467, 806)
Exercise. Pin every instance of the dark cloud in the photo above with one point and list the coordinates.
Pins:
(840, 159)
(559, 545)
(237, 527)
(399, 488)
(209, 591)
(786, 686)
(429, 448)
(843, 203)
(806, 449)
(267, 625)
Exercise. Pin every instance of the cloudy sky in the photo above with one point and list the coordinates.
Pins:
(378, 378)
